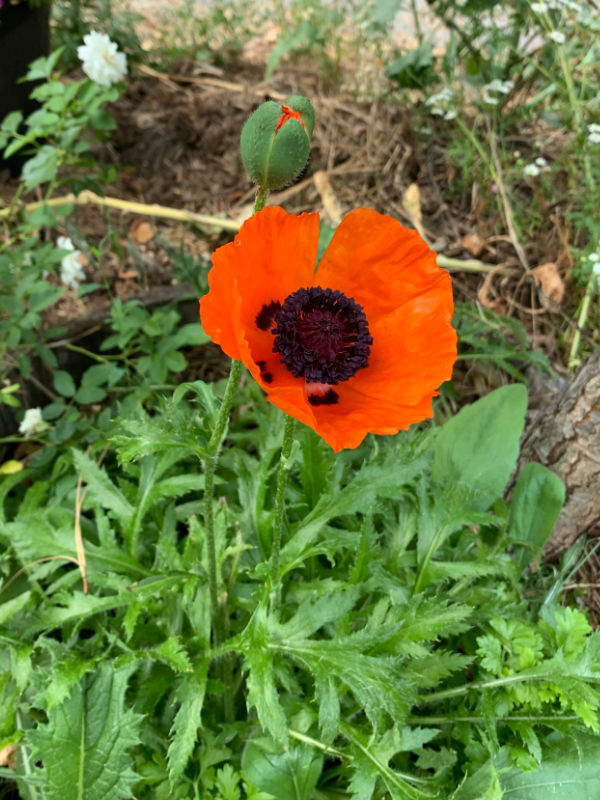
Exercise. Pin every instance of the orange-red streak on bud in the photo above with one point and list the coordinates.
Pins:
(288, 113)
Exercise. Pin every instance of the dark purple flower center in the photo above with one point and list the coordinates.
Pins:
(321, 335)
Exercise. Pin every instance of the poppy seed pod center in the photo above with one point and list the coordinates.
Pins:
(322, 335)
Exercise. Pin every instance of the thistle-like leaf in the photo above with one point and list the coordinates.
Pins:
(84, 745)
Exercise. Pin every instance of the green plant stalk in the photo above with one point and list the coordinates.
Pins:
(210, 463)
(581, 320)
(450, 719)
(261, 198)
(457, 691)
(286, 449)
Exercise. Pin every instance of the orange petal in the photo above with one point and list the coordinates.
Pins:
(378, 262)
(273, 254)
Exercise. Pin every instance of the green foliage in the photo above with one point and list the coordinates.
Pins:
(503, 341)
(95, 733)
(408, 651)
(413, 70)
(403, 644)
(462, 449)
(538, 498)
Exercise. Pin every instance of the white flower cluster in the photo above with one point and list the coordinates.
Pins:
(440, 104)
(101, 60)
(31, 421)
(557, 36)
(493, 89)
(593, 132)
(71, 269)
(534, 169)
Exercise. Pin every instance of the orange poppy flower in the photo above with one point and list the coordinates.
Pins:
(358, 344)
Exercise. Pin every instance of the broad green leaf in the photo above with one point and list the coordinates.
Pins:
(184, 731)
(569, 769)
(537, 501)
(64, 383)
(44, 295)
(89, 394)
(189, 335)
(286, 774)
(84, 745)
(100, 374)
(478, 448)
(483, 784)
(42, 167)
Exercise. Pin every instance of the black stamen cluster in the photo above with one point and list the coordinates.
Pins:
(322, 335)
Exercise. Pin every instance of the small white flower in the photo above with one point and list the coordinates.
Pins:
(539, 8)
(558, 37)
(440, 104)
(31, 421)
(541, 162)
(594, 257)
(504, 87)
(71, 269)
(531, 170)
(594, 138)
(593, 127)
(496, 87)
(491, 101)
(101, 60)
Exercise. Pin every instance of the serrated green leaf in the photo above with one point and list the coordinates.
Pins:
(478, 448)
(371, 763)
(384, 480)
(101, 488)
(84, 745)
(227, 781)
(184, 731)
(326, 695)
(172, 653)
(262, 692)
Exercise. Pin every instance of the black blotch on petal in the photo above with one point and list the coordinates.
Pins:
(267, 377)
(330, 398)
(266, 316)
(262, 365)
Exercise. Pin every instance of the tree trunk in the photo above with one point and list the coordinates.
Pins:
(565, 437)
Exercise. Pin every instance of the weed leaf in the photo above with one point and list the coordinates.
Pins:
(184, 731)
(85, 741)
(478, 448)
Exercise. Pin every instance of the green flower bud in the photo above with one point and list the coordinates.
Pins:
(275, 142)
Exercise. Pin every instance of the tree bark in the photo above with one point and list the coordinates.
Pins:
(565, 437)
